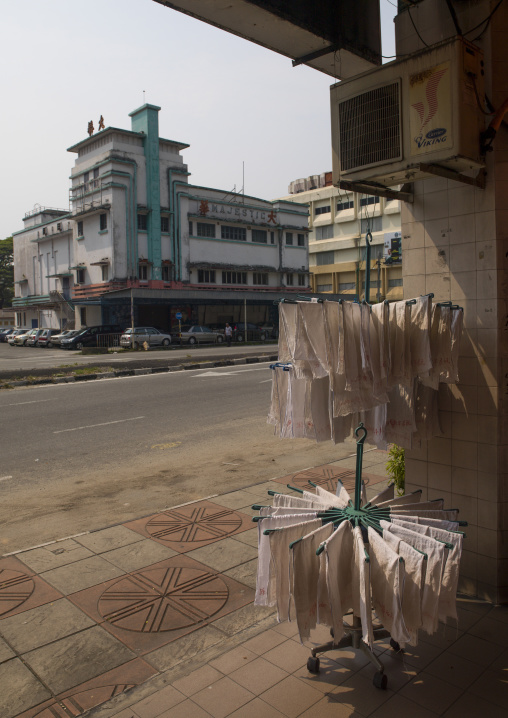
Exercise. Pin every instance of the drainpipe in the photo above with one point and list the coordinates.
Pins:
(175, 219)
(367, 265)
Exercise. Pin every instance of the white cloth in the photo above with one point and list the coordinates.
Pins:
(306, 567)
(448, 597)
(288, 500)
(421, 358)
(282, 569)
(435, 560)
(362, 599)
(456, 331)
(340, 499)
(339, 552)
(265, 579)
(387, 582)
(384, 495)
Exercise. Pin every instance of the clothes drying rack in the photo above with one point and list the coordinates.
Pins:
(364, 516)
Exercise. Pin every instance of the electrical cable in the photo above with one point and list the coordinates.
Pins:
(416, 29)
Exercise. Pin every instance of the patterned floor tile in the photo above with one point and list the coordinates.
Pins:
(76, 701)
(154, 606)
(21, 589)
(190, 527)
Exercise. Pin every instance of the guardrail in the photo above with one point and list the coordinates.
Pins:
(108, 340)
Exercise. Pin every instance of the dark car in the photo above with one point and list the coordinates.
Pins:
(254, 333)
(4, 333)
(101, 335)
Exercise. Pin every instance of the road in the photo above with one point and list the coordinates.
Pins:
(77, 457)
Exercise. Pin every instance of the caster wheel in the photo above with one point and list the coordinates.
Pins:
(380, 680)
(332, 633)
(313, 664)
(396, 646)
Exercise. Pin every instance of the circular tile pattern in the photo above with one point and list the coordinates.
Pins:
(15, 588)
(163, 599)
(194, 524)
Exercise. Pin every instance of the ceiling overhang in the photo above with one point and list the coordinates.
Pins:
(341, 38)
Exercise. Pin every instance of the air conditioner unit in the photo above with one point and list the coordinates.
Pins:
(390, 124)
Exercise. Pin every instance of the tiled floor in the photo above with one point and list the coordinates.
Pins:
(154, 619)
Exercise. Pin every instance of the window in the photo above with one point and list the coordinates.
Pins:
(234, 277)
(260, 235)
(325, 232)
(82, 316)
(345, 205)
(301, 240)
(80, 276)
(86, 177)
(346, 285)
(302, 280)
(374, 284)
(143, 271)
(103, 221)
(368, 200)
(395, 282)
(96, 173)
(238, 233)
(325, 258)
(190, 228)
(272, 237)
(324, 287)
(105, 272)
(80, 229)
(205, 230)
(206, 276)
(375, 224)
(164, 224)
(166, 273)
(289, 280)
(260, 278)
(322, 210)
(142, 222)
(289, 238)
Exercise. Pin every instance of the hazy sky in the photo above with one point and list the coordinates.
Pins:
(65, 62)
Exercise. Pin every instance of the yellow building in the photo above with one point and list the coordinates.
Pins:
(338, 223)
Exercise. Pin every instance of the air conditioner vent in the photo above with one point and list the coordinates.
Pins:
(370, 128)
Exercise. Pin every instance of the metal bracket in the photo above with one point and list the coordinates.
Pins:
(405, 194)
(478, 181)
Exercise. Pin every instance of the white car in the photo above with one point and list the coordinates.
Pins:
(21, 339)
(153, 337)
(57, 338)
(16, 333)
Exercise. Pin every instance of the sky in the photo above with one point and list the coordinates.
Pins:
(244, 110)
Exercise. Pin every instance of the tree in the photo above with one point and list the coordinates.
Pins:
(6, 272)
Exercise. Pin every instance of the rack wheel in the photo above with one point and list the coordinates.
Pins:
(332, 632)
(313, 664)
(396, 646)
(380, 680)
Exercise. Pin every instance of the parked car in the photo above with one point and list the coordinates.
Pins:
(5, 333)
(195, 334)
(100, 335)
(21, 339)
(56, 339)
(254, 333)
(14, 334)
(152, 336)
(33, 338)
(46, 338)
(272, 332)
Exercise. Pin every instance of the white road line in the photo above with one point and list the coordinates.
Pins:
(265, 381)
(92, 426)
(4, 478)
(37, 401)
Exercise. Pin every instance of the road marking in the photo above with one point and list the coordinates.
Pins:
(171, 445)
(37, 401)
(229, 373)
(92, 426)
(265, 381)
(4, 478)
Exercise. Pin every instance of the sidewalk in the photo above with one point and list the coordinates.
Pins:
(154, 619)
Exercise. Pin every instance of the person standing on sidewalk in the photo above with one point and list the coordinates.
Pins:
(228, 333)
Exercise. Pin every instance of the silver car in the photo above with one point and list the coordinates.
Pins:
(196, 334)
(149, 335)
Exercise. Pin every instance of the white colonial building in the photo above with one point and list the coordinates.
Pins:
(137, 231)
(338, 223)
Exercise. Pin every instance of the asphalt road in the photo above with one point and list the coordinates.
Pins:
(77, 457)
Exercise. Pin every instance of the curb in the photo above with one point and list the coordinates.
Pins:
(141, 372)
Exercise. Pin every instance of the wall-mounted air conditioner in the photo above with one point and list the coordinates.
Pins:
(388, 124)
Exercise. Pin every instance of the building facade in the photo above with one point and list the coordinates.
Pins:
(338, 224)
(140, 243)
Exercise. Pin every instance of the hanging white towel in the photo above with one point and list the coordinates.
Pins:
(312, 317)
(400, 500)
(282, 569)
(384, 495)
(342, 494)
(362, 599)
(381, 320)
(435, 561)
(387, 582)
(448, 596)
(306, 566)
(374, 421)
(340, 500)
(421, 359)
(287, 500)
(447, 515)
(400, 418)
(339, 552)
(457, 321)
(265, 579)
